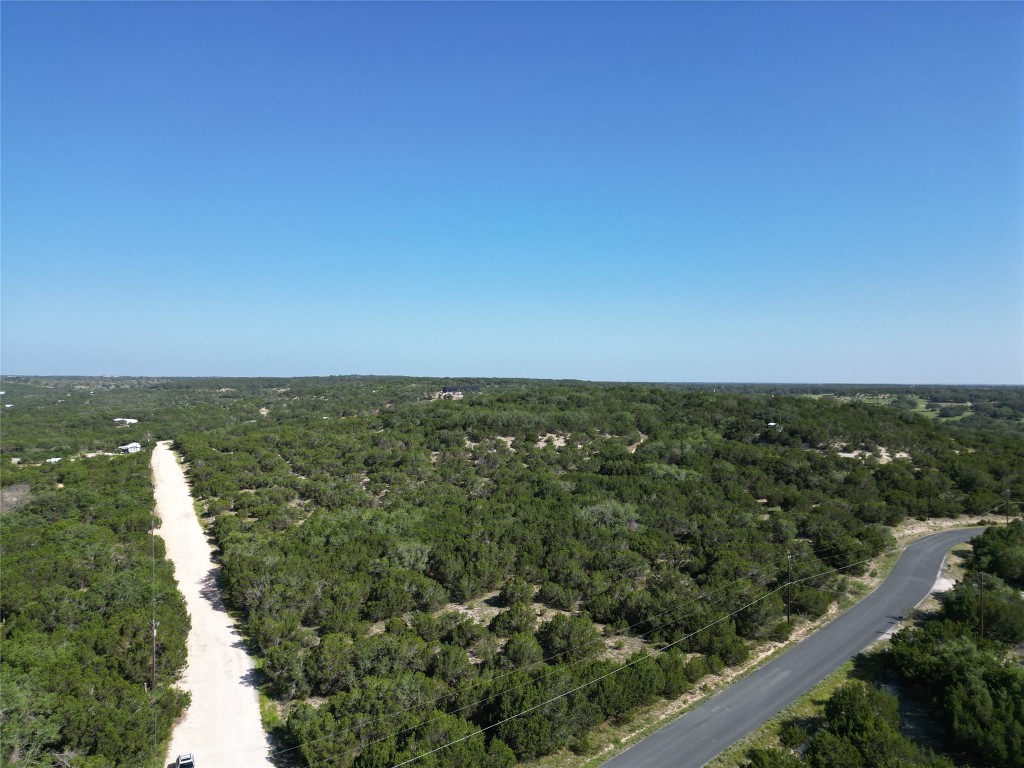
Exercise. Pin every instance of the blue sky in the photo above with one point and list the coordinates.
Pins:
(786, 192)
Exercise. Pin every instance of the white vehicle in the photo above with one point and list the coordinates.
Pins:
(185, 761)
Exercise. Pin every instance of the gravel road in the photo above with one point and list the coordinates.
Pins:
(222, 726)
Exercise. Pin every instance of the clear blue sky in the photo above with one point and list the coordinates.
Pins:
(790, 192)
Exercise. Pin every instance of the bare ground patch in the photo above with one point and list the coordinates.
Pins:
(14, 496)
(633, 446)
(558, 441)
(884, 455)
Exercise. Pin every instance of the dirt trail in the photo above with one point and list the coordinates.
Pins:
(222, 726)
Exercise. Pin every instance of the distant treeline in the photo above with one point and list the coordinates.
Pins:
(55, 416)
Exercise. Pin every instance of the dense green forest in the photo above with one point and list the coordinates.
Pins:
(509, 565)
(862, 729)
(662, 516)
(83, 580)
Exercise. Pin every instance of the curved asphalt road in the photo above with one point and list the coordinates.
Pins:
(699, 735)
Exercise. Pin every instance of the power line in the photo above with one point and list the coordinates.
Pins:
(562, 667)
(600, 643)
(598, 679)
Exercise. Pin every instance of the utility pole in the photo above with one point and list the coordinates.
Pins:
(152, 545)
(152, 537)
(982, 607)
(154, 656)
(789, 601)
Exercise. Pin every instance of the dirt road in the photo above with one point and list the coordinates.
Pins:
(222, 726)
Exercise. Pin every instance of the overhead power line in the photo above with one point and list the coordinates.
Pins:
(604, 676)
(599, 645)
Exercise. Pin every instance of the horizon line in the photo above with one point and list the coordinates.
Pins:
(708, 382)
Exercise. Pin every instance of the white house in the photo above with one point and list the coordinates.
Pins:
(130, 448)
(53, 460)
(126, 421)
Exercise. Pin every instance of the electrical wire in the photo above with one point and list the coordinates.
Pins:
(600, 643)
(597, 679)
(590, 657)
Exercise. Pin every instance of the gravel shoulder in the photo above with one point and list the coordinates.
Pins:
(222, 726)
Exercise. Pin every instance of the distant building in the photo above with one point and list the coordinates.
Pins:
(15, 460)
(453, 390)
(53, 460)
(130, 448)
(126, 421)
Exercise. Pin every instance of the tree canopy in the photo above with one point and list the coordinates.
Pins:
(508, 568)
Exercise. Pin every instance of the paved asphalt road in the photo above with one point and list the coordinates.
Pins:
(696, 737)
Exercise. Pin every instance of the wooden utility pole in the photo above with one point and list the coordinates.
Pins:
(152, 545)
(154, 655)
(981, 632)
(152, 537)
(789, 601)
